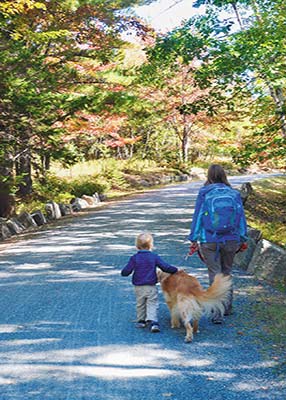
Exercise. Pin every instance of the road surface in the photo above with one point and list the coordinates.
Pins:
(67, 316)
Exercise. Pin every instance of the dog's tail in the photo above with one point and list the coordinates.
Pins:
(213, 298)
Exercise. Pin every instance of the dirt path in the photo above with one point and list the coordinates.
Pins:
(67, 316)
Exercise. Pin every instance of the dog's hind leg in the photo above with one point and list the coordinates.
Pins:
(186, 309)
(175, 320)
(189, 331)
(195, 326)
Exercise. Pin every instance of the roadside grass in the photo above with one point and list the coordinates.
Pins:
(265, 209)
(265, 321)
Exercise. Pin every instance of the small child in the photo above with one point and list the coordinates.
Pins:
(143, 265)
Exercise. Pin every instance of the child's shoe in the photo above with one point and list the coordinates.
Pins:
(217, 320)
(141, 324)
(154, 327)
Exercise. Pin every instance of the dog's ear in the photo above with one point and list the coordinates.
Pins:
(161, 275)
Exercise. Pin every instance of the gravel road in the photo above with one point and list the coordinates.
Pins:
(67, 317)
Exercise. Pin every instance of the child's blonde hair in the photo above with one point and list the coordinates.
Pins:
(144, 241)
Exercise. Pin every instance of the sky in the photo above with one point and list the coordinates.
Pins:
(164, 15)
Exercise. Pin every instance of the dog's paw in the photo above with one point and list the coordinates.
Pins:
(188, 339)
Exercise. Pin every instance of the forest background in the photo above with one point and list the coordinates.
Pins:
(87, 83)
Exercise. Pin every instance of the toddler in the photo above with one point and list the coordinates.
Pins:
(143, 266)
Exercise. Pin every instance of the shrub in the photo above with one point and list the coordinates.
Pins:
(88, 186)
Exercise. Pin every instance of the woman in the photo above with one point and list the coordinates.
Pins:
(218, 227)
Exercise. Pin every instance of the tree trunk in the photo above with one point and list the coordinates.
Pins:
(185, 144)
(239, 20)
(6, 180)
(24, 170)
(7, 202)
(280, 106)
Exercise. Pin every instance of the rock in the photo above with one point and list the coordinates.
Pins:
(88, 199)
(39, 217)
(242, 259)
(65, 209)
(102, 197)
(268, 262)
(26, 220)
(91, 200)
(144, 183)
(79, 204)
(166, 179)
(198, 173)
(184, 177)
(96, 197)
(53, 210)
(245, 190)
(15, 226)
(5, 232)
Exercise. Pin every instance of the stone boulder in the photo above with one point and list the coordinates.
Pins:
(96, 197)
(91, 200)
(242, 259)
(5, 232)
(245, 190)
(268, 262)
(39, 217)
(53, 210)
(15, 226)
(79, 204)
(26, 220)
(66, 209)
(198, 173)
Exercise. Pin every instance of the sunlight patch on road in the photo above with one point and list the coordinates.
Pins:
(77, 275)
(28, 266)
(105, 362)
(5, 328)
(216, 375)
(119, 247)
(124, 356)
(47, 249)
(27, 342)
(16, 373)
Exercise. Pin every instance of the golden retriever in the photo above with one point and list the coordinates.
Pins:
(188, 301)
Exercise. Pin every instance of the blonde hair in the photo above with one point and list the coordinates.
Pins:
(144, 241)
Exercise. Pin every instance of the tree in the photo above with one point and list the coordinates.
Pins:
(40, 42)
(240, 65)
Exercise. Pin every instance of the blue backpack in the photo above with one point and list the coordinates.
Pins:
(221, 212)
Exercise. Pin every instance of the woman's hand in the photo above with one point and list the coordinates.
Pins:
(193, 248)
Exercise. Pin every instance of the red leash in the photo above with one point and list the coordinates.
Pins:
(195, 248)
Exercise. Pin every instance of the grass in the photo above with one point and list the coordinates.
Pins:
(102, 167)
(265, 321)
(266, 209)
